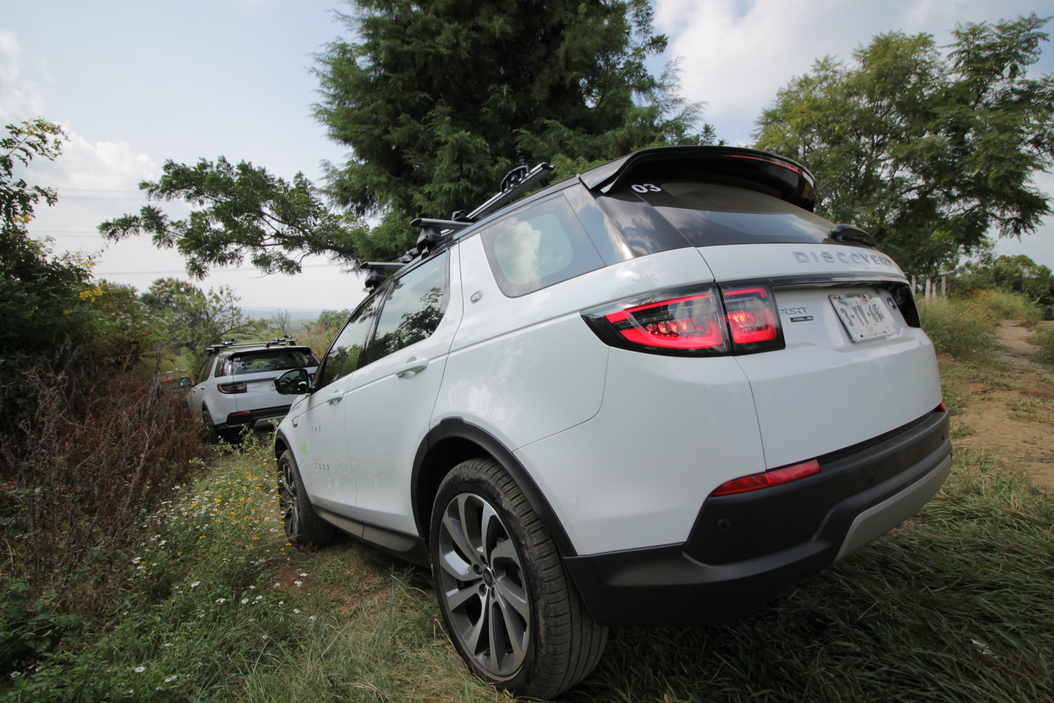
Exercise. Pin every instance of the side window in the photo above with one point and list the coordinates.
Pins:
(538, 247)
(344, 353)
(413, 309)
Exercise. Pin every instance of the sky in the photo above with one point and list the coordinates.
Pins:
(136, 83)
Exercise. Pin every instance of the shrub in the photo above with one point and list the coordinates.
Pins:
(1010, 306)
(964, 329)
(1044, 339)
(100, 448)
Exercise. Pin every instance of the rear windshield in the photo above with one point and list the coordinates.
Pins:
(711, 214)
(272, 360)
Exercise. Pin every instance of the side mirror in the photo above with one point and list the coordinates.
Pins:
(295, 382)
(185, 383)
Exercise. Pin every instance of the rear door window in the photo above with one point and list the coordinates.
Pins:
(414, 308)
(346, 351)
(538, 247)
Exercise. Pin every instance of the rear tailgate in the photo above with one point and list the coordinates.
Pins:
(837, 383)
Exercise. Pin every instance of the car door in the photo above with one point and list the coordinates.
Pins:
(318, 426)
(389, 402)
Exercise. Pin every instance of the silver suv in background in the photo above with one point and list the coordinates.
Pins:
(235, 387)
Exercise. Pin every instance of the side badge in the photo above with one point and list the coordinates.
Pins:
(476, 297)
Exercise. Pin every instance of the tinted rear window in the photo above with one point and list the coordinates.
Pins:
(274, 360)
(711, 214)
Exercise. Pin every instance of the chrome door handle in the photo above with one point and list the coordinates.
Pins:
(412, 367)
(336, 399)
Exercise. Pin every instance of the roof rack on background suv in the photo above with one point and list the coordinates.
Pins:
(214, 349)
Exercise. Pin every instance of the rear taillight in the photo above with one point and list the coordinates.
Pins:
(767, 479)
(236, 387)
(689, 322)
(704, 321)
(752, 318)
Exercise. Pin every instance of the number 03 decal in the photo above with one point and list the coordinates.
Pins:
(646, 188)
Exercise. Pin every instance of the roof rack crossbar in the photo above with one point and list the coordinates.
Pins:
(214, 349)
(515, 183)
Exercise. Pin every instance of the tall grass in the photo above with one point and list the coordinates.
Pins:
(1010, 306)
(954, 605)
(1045, 340)
(965, 329)
(100, 445)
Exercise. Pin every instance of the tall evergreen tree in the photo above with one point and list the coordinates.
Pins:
(437, 100)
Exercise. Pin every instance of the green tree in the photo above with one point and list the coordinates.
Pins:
(928, 151)
(437, 100)
(39, 291)
(194, 319)
(243, 211)
(1013, 274)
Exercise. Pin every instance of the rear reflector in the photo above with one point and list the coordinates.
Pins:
(768, 478)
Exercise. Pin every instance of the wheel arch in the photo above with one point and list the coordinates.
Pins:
(453, 441)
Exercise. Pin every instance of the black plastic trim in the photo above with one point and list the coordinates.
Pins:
(455, 428)
(237, 419)
(664, 586)
(738, 527)
(408, 547)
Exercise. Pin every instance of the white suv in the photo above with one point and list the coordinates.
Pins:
(235, 387)
(654, 394)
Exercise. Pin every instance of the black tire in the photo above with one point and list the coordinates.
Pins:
(212, 435)
(491, 556)
(303, 526)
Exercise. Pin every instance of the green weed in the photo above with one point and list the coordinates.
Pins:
(964, 329)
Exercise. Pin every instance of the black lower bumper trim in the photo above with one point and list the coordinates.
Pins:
(665, 586)
(250, 418)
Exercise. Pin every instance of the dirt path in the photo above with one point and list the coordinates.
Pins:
(1012, 409)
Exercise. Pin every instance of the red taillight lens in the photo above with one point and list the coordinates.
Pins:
(236, 387)
(751, 315)
(690, 322)
(768, 478)
(705, 321)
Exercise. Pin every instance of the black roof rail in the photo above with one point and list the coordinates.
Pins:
(379, 271)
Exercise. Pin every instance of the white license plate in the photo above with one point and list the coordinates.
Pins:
(863, 315)
(260, 386)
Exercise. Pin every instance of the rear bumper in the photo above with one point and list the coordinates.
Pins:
(253, 417)
(746, 548)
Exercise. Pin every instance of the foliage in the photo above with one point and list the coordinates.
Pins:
(1009, 306)
(436, 101)
(194, 319)
(1044, 339)
(101, 446)
(243, 212)
(928, 151)
(123, 329)
(38, 291)
(963, 328)
(319, 333)
(1012, 274)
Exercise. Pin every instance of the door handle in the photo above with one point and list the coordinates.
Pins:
(337, 397)
(412, 367)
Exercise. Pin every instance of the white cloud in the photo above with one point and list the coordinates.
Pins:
(738, 53)
(18, 100)
(99, 166)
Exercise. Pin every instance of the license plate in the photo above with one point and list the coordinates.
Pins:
(863, 315)
(260, 386)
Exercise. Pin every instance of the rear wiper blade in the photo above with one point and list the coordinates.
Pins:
(848, 234)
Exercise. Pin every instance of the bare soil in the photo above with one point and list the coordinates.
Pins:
(991, 421)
